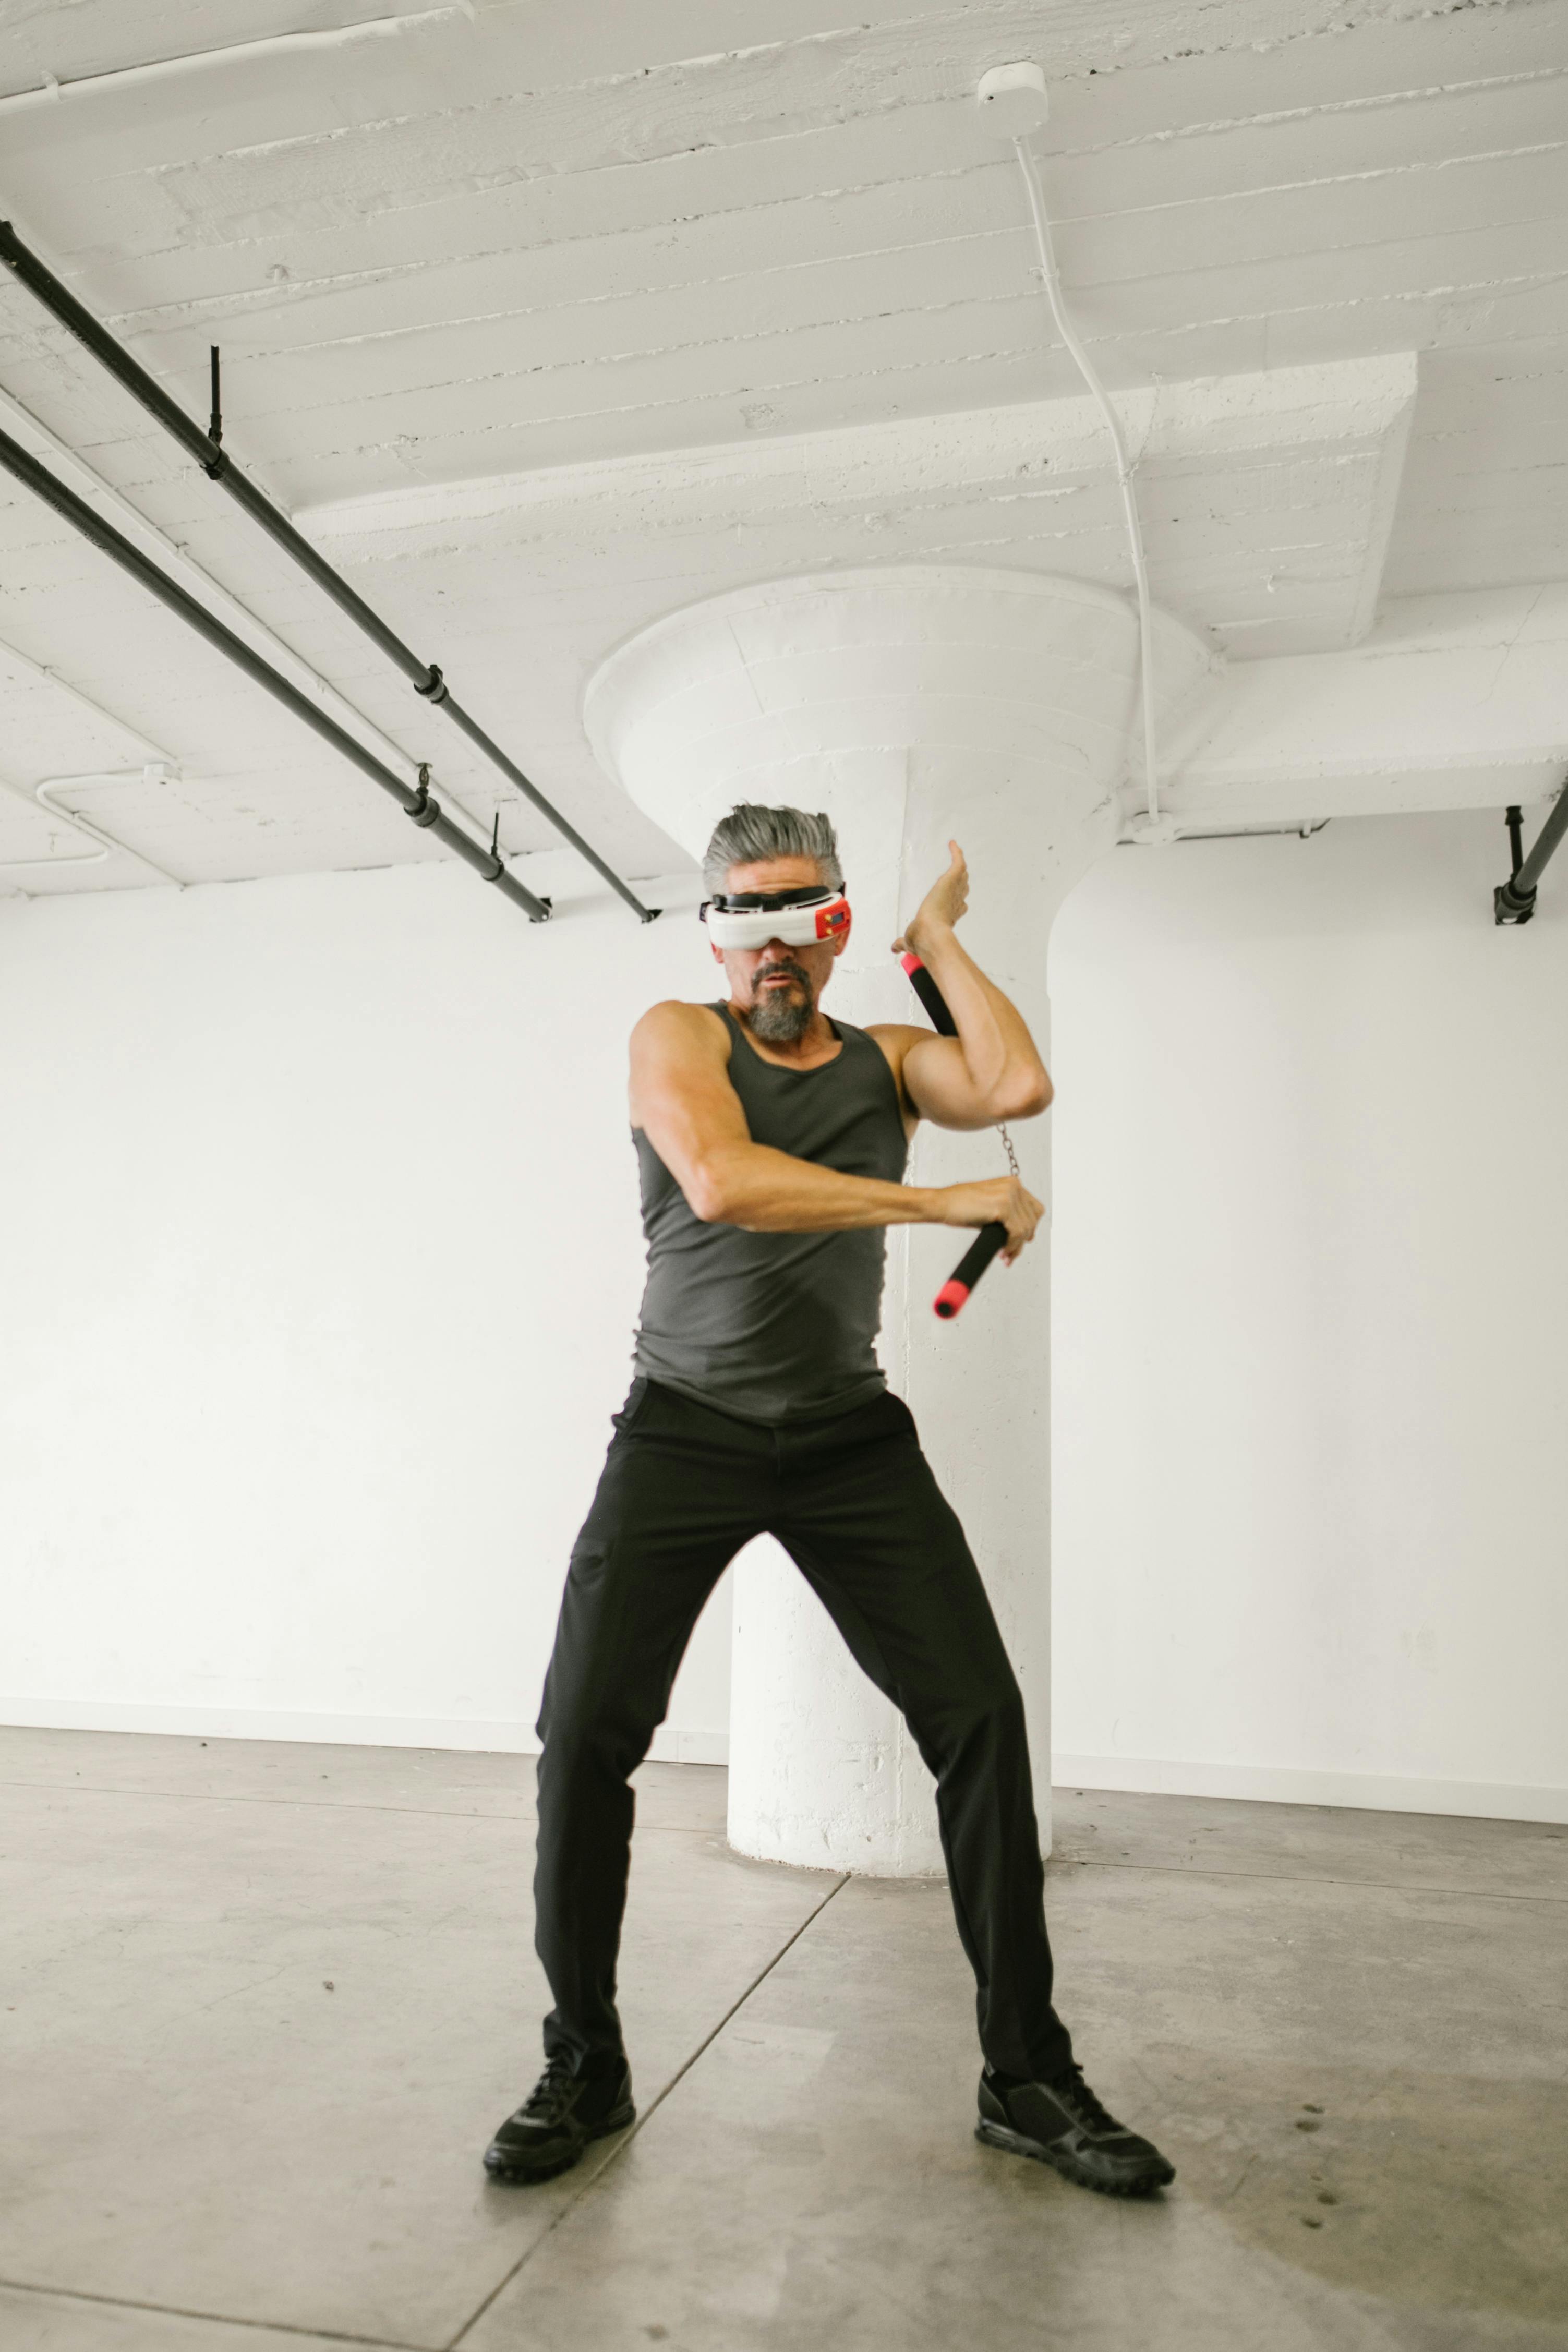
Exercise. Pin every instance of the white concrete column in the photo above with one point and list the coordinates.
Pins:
(912, 704)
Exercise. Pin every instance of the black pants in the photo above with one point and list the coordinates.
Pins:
(854, 1503)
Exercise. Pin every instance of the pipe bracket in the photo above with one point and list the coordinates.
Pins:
(423, 809)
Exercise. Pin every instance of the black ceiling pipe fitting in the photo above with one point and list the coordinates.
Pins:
(216, 462)
(416, 803)
(1513, 901)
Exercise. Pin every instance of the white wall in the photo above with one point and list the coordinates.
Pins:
(318, 1257)
(277, 1460)
(1310, 1525)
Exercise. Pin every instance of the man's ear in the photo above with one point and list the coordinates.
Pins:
(715, 951)
(841, 937)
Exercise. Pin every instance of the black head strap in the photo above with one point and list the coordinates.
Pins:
(757, 902)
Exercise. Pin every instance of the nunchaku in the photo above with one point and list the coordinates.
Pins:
(991, 1238)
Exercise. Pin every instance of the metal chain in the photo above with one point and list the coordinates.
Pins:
(1008, 1146)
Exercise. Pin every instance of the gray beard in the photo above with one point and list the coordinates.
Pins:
(778, 1019)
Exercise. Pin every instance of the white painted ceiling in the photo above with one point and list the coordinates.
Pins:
(532, 251)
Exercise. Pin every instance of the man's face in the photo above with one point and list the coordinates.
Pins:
(777, 986)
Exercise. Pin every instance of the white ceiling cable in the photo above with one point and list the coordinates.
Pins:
(1013, 98)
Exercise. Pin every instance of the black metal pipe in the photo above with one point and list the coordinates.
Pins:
(1513, 901)
(216, 462)
(416, 801)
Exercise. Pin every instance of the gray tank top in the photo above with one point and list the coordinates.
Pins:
(775, 1327)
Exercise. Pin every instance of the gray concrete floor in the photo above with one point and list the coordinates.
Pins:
(264, 2003)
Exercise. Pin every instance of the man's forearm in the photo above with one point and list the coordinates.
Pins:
(999, 1053)
(768, 1191)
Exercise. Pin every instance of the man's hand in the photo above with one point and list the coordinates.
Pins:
(941, 908)
(998, 1201)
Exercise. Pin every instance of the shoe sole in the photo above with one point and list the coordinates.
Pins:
(1015, 2144)
(616, 2122)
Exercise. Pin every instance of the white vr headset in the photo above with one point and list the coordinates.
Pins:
(798, 918)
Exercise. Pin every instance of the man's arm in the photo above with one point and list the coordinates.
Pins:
(992, 1070)
(682, 1099)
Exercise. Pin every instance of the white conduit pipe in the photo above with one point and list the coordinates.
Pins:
(151, 773)
(274, 45)
(152, 768)
(1086, 368)
(71, 858)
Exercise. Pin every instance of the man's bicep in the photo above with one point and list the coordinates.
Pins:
(681, 1094)
(937, 1082)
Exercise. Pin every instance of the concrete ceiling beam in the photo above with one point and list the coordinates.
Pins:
(1456, 701)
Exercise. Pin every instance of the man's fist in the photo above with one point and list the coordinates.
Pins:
(994, 1200)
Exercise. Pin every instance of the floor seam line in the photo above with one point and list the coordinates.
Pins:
(218, 1797)
(219, 2318)
(1301, 1878)
(645, 2117)
(319, 1805)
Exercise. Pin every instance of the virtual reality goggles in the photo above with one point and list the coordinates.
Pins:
(798, 918)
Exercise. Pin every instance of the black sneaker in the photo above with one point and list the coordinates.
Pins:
(1062, 2123)
(563, 2113)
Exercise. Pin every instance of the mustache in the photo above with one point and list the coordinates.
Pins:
(781, 964)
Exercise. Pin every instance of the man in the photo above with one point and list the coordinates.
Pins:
(773, 1143)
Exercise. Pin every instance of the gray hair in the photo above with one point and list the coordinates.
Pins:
(751, 833)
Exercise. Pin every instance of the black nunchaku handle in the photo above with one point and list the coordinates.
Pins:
(930, 995)
(969, 1269)
(955, 1290)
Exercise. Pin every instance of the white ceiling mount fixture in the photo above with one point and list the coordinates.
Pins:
(1013, 100)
